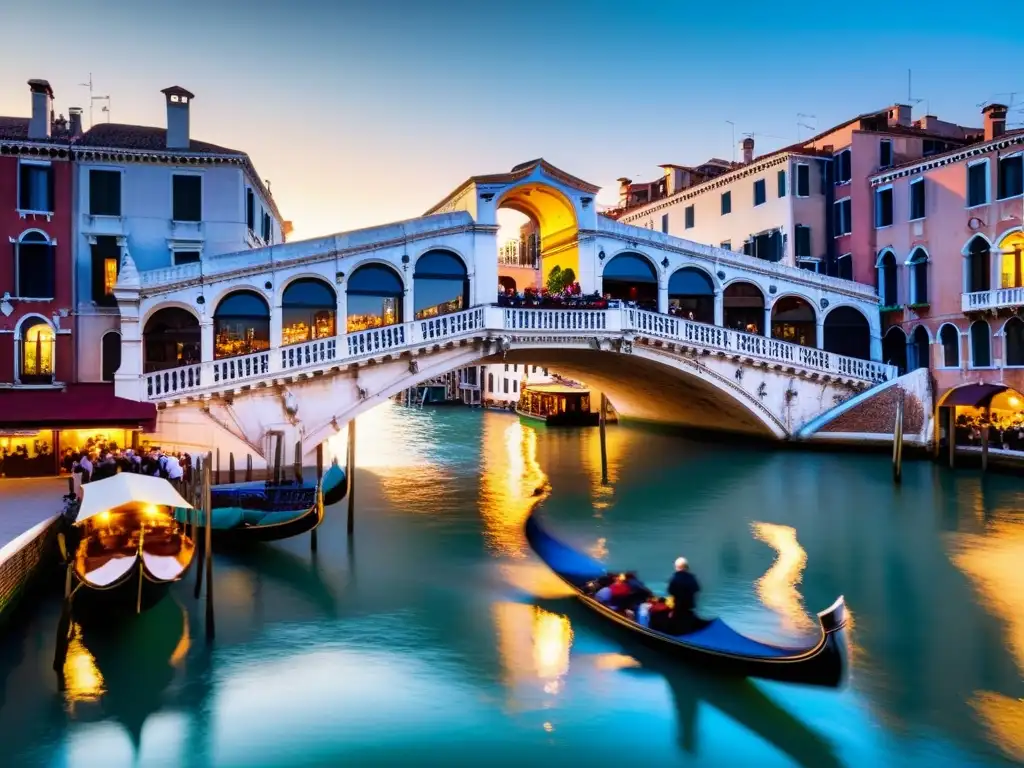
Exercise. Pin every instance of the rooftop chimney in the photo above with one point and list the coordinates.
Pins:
(42, 107)
(75, 122)
(178, 100)
(748, 150)
(995, 121)
(899, 114)
(624, 190)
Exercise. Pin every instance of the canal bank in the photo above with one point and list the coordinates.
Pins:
(438, 639)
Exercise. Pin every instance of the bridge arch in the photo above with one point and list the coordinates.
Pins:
(554, 214)
(241, 324)
(440, 283)
(691, 293)
(630, 275)
(309, 310)
(375, 296)
(894, 348)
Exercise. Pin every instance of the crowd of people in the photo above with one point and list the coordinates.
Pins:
(626, 594)
(100, 461)
(1005, 430)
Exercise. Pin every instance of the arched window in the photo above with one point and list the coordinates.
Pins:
(1013, 341)
(743, 308)
(171, 338)
(440, 285)
(631, 277)
(1012, 261)
(241, 325)
(374, 294)
(894, 348)
(918, 277)
(490, 382)
(979, 265)
(34, 266)
(847, 332)
(888, 280)
(691, 294)
(308, 310)
(793, 320)
(917, 350)
(949, 337)
(981, 345)
(110, 354)
(38, 342)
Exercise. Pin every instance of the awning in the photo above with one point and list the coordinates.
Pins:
(74, 406)
(974, 395)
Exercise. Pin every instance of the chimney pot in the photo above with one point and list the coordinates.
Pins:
(900, 114)
(748, 150)
(39, 125)
(178, 101)
(995, 120)
(75, 122)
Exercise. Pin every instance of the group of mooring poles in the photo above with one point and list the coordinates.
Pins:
(199, 493)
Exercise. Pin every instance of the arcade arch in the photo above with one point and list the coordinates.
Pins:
(374, 295)
(794, 320)
(241, 325)
(440, 284)
(691, 294)
(631, 276)
(308, 311)
(170, 338)
(549, 237)
(743, 307)
(847, 332)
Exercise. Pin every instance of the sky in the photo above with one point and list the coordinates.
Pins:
(361, 113)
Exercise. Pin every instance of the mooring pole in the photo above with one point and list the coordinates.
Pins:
(350, 475)
(298, 462)
(984, 439)
(278, 457)
(203, 515)
(248, 467)
(231, 467)
(216, 471)
(60, 651)
(207, 505)
(952, 436)
(319, 489)
(604, 445)
(897, 441)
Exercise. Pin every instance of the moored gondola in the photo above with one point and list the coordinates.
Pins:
(715, 645)
(126, 546)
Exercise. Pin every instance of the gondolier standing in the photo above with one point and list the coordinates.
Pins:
(684, 588)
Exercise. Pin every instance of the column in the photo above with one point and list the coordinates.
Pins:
(663, 295)
(876, 348)
(341, 310)
(820, 326)
(720, 308)
(206, 339)
(768, 320)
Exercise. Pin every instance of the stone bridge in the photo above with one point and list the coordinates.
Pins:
(301, 337)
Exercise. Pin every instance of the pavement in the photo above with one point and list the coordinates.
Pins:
(28, 501)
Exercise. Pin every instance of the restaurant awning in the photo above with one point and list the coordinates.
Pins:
(974, 395)
(74, 406)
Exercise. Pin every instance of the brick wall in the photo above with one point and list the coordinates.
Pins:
(877, 415)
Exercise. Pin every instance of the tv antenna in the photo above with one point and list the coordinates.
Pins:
(93, 99)
(800, 118)
(731, 123)
(911, 101)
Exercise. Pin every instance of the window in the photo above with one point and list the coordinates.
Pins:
(726, 203)
(726, 245)
(979, 265)
(34, 267)
(803, 241)
(106, 260)
(949, 337)
(1011, 176)
(782, 183)
(1013, 342)
(490, 382)
(241, 325)
(186, 257)
(803, 180)
(933, 147)
(917, 199)
(110, 355)
(104, 193)
(506, 367)
(841, 217)
(885, 153)
(883, 207)
(759, 192)
(504, 386)
(664, 223)
(267, 228)
(767, 246)
(977, 184)
(35, 187)
(250, 209)
(308, 311)
(844, 266)
(918, 265)
(888, 280)
(689, 217)
(811, 265)
(981, 345)
(187, 202)
(843, 170)
(36, 354)
(515, 386)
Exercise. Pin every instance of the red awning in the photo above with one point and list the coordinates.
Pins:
(974, 395)
(75, 406)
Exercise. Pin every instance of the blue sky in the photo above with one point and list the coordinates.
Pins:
(366, 112)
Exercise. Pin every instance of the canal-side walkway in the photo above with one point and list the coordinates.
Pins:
(28, 501)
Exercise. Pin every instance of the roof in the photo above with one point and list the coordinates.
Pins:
(952, 155)
(77, 405)
(144, 137)
(16, 129)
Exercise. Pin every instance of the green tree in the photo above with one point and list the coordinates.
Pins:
(554, 281)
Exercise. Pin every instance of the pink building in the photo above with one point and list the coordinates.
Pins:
(949, 258)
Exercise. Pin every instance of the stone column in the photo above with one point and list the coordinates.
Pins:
(206, 339)
(663, 295)
(341, 311)
(820, 326)
(128, 381)
(876, 348)
(720, 308)
(768, 320)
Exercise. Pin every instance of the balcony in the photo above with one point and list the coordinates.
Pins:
(999, 298)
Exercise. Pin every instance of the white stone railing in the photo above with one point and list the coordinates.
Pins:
(171, 383)
(169, 275)
(994, 299)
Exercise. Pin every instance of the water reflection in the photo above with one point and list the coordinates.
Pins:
(82, 678)
(509, 477)
(778, 587)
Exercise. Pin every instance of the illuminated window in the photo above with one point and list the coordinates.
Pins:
(241, 325)
(374, 297)
(1012, 248)
(440, 285)
(37, 347)
(308, 309)
(109, 275)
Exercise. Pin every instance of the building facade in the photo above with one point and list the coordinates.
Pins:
(498, 385)
(168, 200)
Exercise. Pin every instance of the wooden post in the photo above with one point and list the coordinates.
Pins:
(604, 446)
(897, 441)
(216, 470)
(248, 467)
(278, 458)
(203, 515)
(207, 505)
(984, 440)
(298, 462)
(350, 475)
(231, 467)
(952, 436)
(319, 489)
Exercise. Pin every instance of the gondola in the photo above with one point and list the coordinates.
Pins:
(126, 546)
(715, 645)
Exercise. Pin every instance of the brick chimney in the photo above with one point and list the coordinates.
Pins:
(995, 121)
(624, 190)
(75, 122)
(178, 101)
(748, 150)
(42, 109)
(899, 114)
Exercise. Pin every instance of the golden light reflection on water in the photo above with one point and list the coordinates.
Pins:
(1003, 718)
(83, 681)
(534, 645)
(181, 650)
(509, 477)
(777, 589)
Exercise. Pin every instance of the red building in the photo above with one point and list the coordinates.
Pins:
(39, 401)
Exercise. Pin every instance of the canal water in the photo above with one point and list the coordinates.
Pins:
(436, 638)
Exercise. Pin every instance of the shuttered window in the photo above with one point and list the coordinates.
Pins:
(188, 197)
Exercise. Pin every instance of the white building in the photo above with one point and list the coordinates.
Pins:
(166, 199)
(499, 384)
(773, 207)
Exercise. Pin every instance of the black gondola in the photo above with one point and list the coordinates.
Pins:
(716, 645)
(257, 497)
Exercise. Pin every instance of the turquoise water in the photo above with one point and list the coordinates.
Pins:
(435, 638)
